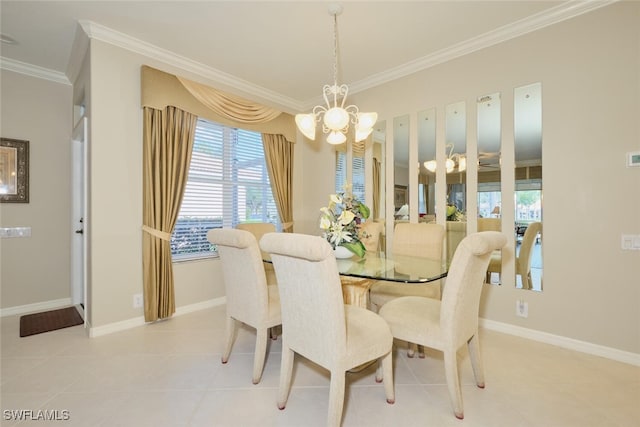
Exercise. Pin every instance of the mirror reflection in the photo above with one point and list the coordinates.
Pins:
(401, 168)
(528, 185)
(378, 205)
(426, 159)
(456, 166)
(489, 184)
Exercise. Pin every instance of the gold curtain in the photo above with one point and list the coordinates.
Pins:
(160, 89)
(230, 106)
(168, 143)
(278, 153)
(376, 188)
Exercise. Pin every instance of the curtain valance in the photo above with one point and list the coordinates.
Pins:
(160, 89)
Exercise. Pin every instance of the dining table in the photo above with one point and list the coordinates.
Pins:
(357, 274)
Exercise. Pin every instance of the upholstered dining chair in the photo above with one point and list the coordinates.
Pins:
(523, 259)
(249, 299)
(259, 229)
(417, 240)
(489, 224)
(317, 324)
(448, 324)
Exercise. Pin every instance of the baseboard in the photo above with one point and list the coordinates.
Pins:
(139, 321)
(564, 342)
(35, 307)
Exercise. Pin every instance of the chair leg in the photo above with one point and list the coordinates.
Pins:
(232, 326)
(453, 382)
(336, 398)
(286, 370)
(259, 353)
(476, 360)
(384, 373)
(412, 350)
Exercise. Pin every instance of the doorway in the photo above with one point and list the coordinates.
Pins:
(79, 143)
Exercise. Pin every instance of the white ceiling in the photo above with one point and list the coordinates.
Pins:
(280, 50)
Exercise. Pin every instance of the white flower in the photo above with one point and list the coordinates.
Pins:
(340, 220)
(346, 217)
(325, 223)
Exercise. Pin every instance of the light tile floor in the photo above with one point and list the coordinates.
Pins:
(169, 374)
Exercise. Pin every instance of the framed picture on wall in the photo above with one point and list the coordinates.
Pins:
(14, 171)
(399, 196)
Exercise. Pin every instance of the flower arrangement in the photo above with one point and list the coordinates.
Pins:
(340, 221)
(454, 214)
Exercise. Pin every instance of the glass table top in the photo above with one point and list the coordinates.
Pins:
(397, 268)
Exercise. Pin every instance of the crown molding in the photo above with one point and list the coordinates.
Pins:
(527, 25)
(99, 32)
(33, 71)
(96, 31)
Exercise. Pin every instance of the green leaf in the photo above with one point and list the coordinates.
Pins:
(355, 247)
(364, 210)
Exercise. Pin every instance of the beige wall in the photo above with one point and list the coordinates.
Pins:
(591, 104)
(36, 269)
(590, 96)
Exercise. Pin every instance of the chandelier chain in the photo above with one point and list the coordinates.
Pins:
(335, 50)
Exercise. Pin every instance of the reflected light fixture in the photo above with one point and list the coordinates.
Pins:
(335, 116)
(450, 163)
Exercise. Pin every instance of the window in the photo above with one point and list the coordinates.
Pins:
(227, 184)
(357, 174)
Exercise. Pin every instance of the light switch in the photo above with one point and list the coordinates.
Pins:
(10, 232)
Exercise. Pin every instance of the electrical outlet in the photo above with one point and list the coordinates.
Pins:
(522, 308)
(137, 301)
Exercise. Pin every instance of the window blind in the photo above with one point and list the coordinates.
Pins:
(228, 183)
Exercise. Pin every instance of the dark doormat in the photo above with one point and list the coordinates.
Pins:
(32, 324)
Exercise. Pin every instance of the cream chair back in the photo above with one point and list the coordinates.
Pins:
(420, 240)
(258, 229)
(461, 296)
(318, 325)
(523, 262)
(489, 224)
(310, 295)
(249, 299)
(244, 277)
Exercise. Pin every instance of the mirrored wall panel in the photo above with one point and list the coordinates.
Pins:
(489, 184)
(378, 188)
(528, 185)
(427, 165)
(401, 168)
(456, 167)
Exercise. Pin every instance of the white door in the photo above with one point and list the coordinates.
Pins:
(79, 217)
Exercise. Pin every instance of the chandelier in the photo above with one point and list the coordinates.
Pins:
(450, 163)
(335, 116)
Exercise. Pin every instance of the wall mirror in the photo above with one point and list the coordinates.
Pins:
(489, 183)
(456, 166)
(528, 185)
(378, 188)
(14, 171)
(427, 165)
(401, 168)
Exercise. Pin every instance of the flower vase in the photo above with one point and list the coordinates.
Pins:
(342, 253)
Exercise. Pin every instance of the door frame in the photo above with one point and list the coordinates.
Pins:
(79, 220)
